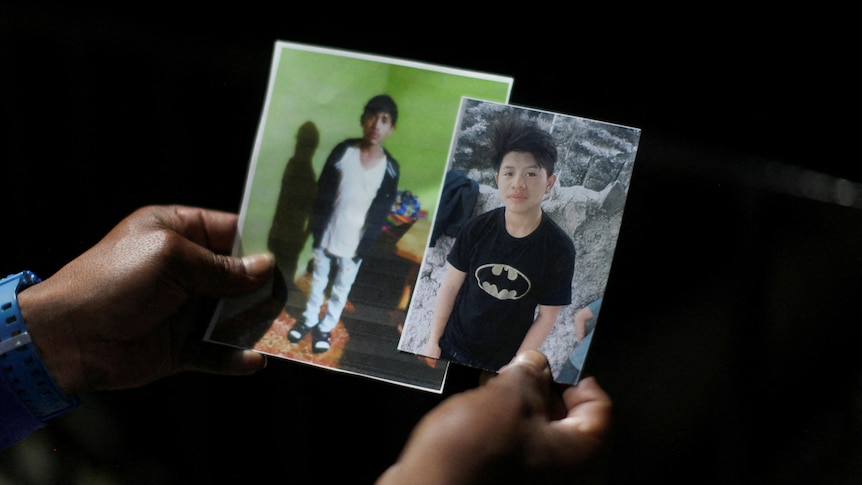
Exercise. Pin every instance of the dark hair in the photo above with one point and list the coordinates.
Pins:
(382, 103)
(514, 134)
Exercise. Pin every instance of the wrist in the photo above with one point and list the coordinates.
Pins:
(49, 322)
(21, 362)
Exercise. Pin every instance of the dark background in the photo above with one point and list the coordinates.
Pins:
(731, 322)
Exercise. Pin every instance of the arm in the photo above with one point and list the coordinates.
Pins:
(582, 316)
(127, 311)
(446, 295)
(541, 327)
(517, 428)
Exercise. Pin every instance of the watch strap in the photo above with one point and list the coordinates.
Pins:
(20, 363)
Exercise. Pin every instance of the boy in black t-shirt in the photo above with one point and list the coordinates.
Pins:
(510, 270)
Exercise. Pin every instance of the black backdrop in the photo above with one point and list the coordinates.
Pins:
(730, 326)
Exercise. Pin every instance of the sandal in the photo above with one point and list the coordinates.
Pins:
(299, 330)
(319, 341)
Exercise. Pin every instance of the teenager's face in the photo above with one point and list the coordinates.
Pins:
(376, 127)
(521, 183)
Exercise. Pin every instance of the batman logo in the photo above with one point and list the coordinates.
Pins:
(502, 281)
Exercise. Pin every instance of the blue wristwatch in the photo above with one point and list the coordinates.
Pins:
(20, 362)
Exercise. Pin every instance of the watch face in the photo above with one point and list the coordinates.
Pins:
(28, 278)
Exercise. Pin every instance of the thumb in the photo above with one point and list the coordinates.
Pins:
(201, 239)
(531, 361)
(210, 274)
(258, 265)
(527, 374)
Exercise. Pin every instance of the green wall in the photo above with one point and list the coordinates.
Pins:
(329, 89)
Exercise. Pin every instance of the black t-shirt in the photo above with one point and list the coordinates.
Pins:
(506, 278)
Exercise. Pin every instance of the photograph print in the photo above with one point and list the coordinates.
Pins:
(343, 182)
(523, 239)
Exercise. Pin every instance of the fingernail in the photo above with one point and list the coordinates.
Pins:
(247, 362)
(258, 264)
(264, 361)
(530, 357)
(522, 357)
(518, 359)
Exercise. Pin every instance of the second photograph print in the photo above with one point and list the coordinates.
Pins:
(523, 240)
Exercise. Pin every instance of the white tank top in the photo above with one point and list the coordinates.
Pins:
(355, 193)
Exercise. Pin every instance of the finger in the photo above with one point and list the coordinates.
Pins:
(222, 360)
(527, 375)
(214, 230)
(191, 242)
(590, 409)
(210, 274)
(195, 242)
(531, 359)
(529, 365)
(212, 234)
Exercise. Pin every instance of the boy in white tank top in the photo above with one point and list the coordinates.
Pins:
(355, 192)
